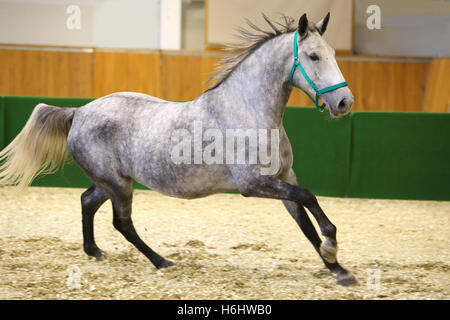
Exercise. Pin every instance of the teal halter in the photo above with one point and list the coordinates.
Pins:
(318, 92)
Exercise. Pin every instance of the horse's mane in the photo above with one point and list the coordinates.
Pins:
(252, 40)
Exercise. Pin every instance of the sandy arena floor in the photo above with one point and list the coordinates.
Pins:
(224, 246)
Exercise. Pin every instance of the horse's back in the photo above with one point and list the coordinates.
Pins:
(120, 114)
(132, 96)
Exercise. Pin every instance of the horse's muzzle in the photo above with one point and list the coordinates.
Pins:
(341, 102)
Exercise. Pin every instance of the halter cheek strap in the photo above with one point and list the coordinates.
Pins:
(313, 86)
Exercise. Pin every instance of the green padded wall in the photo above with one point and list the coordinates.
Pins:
(17, 112)
(364, 154)
(321, 147)
(2, 123)
(400, 155)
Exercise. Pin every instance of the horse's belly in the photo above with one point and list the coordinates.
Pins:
(188, 181)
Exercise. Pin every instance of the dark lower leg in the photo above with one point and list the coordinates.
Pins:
(91, 200)
(326, 227)
(301, 217)
(271, 187)
(124, 224)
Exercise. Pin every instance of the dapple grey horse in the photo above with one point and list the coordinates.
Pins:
(126, 136)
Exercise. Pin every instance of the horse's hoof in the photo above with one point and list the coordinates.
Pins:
(100, 255)
(328, 251)
(164, 264)
(346, 278)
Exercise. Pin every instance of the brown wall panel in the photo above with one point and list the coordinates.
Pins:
(377, 85)
(381, 86)
(386, 86)
(437, 97)
(45, 73)
(125, 71)
(110, 73)
(183, 77)
(144, 73)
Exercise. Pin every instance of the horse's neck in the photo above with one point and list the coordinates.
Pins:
(260, 82)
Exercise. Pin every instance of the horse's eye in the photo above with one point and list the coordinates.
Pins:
(314, 57)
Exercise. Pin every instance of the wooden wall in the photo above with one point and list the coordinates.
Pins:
(124, 71)
(45, 73)
(377, 84)
(437, 96)
(386, 85)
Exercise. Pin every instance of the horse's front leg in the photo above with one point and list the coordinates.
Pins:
(326, 252)
(272, 187)
(328, 248)
(295, 198)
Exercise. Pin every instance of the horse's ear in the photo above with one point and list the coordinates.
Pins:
(322, 24)
(303, 26)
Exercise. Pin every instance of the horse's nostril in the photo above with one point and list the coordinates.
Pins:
(342, 104)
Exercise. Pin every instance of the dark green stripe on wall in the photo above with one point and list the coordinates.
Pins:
(2, 123)
(400, 155)
(321, 147)
(364, 154)
(17, 112)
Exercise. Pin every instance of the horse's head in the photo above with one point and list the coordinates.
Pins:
(318, 61)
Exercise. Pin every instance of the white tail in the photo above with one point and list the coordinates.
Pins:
(40, 148)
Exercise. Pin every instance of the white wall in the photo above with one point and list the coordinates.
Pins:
(127, 24)
(408, 28)
(193, 25)
(170, 32)
(32, 22)
(225, 16)
(104, 23)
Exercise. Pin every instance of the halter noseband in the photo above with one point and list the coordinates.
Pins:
(318, 92)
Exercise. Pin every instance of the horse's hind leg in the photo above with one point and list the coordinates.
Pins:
(121, 198)
(91, 200)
